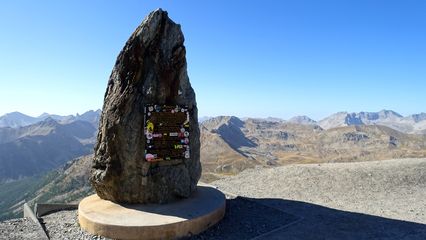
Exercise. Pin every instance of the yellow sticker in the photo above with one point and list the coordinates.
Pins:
(149, 126)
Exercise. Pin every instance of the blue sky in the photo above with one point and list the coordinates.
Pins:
(245, 58)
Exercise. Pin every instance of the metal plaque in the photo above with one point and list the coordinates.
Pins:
(166, 133)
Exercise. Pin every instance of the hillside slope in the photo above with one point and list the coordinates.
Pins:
(43, 146)
(65, 185)
(229, 145)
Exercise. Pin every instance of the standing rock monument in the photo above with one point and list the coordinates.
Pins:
(148, 148)
(147, 158)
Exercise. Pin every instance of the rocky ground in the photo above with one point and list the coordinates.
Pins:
(367, 200)
(230, 145)
(64, 225)
(250, 218)
(394, 188)
(17, 229)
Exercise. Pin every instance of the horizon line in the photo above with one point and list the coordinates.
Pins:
(232, 115)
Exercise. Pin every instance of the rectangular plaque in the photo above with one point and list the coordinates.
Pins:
(166, 133)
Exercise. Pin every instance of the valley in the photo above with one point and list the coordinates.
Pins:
(229, 145)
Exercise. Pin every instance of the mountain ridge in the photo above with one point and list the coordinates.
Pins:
(45, 145)
(18, 119)
(229, 144)
(413, 123)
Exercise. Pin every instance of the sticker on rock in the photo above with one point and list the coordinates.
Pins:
(166, 129)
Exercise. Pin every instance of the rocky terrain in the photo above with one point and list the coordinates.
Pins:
(68, 184)
(46, 145)
(337, 135)
(21, 228)
(415, 123)
(230, 145)
(302, 120)
(364, 200)
(390, 188)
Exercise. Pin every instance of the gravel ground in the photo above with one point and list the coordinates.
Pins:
(250, 218)
(64, 225)
(20, 228)
(245, 219)
(392, 188)
(365, 200)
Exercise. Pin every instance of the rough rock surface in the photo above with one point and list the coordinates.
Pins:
(151, 69)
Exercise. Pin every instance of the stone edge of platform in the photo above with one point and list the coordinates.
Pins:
(168, 231)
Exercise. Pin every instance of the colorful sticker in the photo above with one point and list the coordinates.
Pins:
(167, 132)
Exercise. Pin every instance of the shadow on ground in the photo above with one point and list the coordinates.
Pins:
(248, 218)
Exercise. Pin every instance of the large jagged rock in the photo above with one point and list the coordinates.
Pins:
(151, 69)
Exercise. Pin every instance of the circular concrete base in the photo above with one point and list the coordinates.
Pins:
(152, 221)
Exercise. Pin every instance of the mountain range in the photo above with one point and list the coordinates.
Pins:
(415, 123)
(32, 145)
(17, 119)
(230, 145)
(44, 145)
(66, 184)
(30, 155)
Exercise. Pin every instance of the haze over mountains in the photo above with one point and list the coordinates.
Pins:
(30, 154)
(415, 123)
(62, 185)
(230, 145)
(17, 119)
(30, 146)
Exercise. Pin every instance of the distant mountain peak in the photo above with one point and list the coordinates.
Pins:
(273, 119)
(418, 117)
(411, 124)
(216, 122)
(302, 120)
(17, 119)
(389, 113)
(268, 119)
(15, 114)
(44, 115)
(204, 118)
(49, 121)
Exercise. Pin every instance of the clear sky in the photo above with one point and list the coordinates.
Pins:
(245, 58)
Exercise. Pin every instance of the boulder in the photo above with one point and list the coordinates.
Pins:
(149, 71)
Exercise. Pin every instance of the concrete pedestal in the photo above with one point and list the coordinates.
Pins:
(152, 221)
